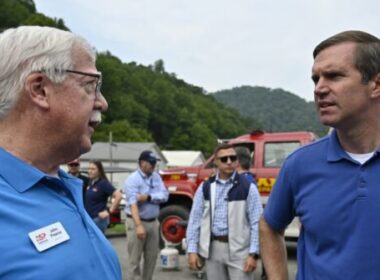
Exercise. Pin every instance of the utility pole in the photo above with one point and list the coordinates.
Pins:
(111, 155)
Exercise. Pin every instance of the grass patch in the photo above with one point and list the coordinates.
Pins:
(117, 229)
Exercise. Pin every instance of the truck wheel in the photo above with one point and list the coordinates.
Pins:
(170, 231)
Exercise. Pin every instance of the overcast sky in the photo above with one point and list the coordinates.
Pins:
(218, 44)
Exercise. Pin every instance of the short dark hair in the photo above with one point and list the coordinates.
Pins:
(244, 157)
(222, 146)
(367, 52)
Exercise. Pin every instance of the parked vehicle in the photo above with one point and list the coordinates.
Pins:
(269, 150)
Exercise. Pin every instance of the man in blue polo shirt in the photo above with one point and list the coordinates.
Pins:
(332, 185)
(50, 103)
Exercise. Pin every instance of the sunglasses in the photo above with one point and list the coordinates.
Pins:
(225, 158)
(74, 164)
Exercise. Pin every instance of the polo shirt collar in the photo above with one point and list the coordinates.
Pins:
(335, 151)
(25, 177)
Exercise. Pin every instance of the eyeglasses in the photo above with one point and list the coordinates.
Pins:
(73, 164)
(225, 158)
(95, 75)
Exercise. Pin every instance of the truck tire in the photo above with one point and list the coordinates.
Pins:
(170, 231)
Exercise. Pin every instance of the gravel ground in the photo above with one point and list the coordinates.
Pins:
(119, 243)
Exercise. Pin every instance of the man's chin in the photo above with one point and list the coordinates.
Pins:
(230, 172)
(328, 119)
(85, 146)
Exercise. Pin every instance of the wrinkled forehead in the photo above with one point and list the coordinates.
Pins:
(339, 55)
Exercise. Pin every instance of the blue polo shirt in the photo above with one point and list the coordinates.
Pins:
(30, 200)
(338, 202)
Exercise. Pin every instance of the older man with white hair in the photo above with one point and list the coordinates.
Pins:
(50, 103)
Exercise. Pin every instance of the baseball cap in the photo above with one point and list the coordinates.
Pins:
(149, 156)
(75, 162)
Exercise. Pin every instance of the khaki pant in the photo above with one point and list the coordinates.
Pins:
(138, 249)
(220, 267)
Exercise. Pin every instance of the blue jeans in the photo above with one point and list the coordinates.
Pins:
(102, 223)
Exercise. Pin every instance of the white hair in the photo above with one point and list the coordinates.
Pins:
(28, 49)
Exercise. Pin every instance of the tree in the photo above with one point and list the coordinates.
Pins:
(23, 12)
(145, 102)
(159, 66)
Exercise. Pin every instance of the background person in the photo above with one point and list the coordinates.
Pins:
(144, 192)
(97, 195)
(332, 185)
(244, 161)
(50, 104)
(223, 224)
(74, 169)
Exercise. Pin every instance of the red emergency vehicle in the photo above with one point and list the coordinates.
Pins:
(268, 151)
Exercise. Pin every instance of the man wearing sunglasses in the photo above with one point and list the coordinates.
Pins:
(223, 224)
(74, 170)
(50, 104)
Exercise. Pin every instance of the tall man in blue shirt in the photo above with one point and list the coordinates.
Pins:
(50, 103)
(333, 184)
(144, 192)
(223, 224)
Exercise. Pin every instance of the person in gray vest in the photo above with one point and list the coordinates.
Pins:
(223, 224)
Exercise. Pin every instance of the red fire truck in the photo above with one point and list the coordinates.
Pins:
(268, 152)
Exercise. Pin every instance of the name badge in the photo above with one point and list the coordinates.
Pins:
(49, 236)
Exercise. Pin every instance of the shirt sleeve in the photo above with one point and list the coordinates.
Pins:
(160, 193)
(131, 190)
(254, 211)
(279, 211)
(107, 187)
(194, 225)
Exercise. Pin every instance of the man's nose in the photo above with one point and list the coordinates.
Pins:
(321, 87)
(101, 103)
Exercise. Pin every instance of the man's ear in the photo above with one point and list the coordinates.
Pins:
(376, 89)
(36, 85)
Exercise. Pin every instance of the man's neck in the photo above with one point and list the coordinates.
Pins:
(30, 150)
(360, 141)
(224, 176)
(147, 175)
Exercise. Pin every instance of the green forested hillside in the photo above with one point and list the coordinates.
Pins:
(145, 102)
(148, 104)
(23, 12)
(276, 109)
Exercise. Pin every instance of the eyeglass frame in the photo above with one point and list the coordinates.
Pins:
(98, 75)
(224, 159)
(99, 80)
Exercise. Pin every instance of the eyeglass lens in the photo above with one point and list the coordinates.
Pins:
(99, 79)
(225, 159)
